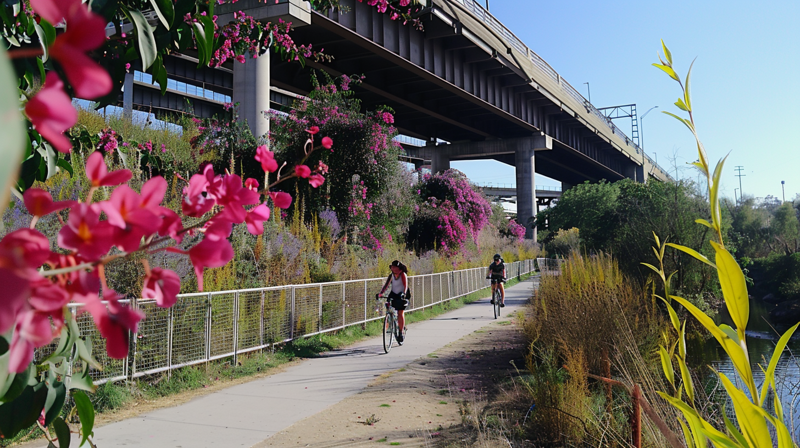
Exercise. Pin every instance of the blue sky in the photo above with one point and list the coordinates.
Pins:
(745, 81)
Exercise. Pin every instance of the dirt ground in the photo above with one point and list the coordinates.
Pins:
(437, 401)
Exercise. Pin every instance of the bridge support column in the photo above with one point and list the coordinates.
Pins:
(127, 97)
(251, 82)
(565, 186)
(440, 161)
(526, 189)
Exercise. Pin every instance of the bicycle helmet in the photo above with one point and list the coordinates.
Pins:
(497, 257)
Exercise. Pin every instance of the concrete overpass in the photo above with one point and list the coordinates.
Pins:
(465, 79)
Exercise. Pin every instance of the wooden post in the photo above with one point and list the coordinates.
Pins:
(636, 416)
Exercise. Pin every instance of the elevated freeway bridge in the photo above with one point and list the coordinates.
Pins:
(465, 79)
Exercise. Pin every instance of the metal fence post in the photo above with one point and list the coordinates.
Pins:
(134, 346)
(344, 305)
(261, 323)
(170, 330)
(235, 328)
(364, 322)
(208, 328)
(319, 323)
(291, 329)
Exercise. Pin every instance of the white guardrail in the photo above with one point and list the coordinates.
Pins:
(202, 327)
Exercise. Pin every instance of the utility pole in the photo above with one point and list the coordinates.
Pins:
(739, 174)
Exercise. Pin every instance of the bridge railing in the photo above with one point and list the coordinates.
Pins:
(510, 186)
(202, 327)
(501, 30)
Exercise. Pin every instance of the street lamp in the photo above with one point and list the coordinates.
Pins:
(783, 189)
(642, 126)
(590, 92)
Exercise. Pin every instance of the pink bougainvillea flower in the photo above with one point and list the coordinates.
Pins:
(32, 330)
(15, 290)
(255, 219)
(218, 230)
(48, 297)
(85, 32)
(209, 254)
(195, 201)
(98, 174)
(281, 199)
(24, 250)
(316, 180)
(327, 142)
(51, 113)
(302, 171)
(251, 184)
(85, 233)
(83, 286)
(170, 225)
(114, 322)
(267, 159)
(230, 194)
(153, 192)
(125, 209)
(40, 203)
(162, 285)
(313, 130)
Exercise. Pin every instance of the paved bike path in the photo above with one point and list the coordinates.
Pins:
(243, 415)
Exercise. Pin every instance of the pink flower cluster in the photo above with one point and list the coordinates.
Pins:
(516, 229)
(50, 110)
(40, 282)
(109, 140)
(397, 9)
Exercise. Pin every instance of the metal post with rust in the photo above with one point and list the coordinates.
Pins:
(636, 416)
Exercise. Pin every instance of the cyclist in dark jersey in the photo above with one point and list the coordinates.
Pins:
(497, 273)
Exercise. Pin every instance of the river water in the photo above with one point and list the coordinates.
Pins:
(761, 340)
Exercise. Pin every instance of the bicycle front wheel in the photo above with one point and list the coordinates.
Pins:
(388, 332)
(496, 305)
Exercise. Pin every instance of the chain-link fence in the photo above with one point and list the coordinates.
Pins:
(202, 327)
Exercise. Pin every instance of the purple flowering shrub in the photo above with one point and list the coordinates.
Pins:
(451, 213)
(361, 163)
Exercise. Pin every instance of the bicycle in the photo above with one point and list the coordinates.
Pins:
(497, 297)
(390, 331)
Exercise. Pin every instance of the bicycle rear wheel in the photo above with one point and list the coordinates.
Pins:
(388, 332)
(496, 306)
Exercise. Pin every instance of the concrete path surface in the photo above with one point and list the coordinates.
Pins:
(243, 415)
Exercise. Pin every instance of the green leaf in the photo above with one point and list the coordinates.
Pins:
(23, 412)
(693, 253)
(85, 352)
(160, 74)
(14, 384)
(754, 427)
(734, 288)
(56, 395)
(165, 11)
(85, 413)
(686, 122)
(732, 430)
(11, 128)
(62, 432)
(713, 199)
(666, 365)
(738, 356)
(769, 376)
(687, 436)
(667, 53)
(687, 97)
(668, 70)
(673, 316)
(144, 36)
(203, 55)
(47, 35)
(82, 381)
(681, 105)
(704, 222)
(64, 164)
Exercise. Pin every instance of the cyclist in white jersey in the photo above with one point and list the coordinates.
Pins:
(399, 282)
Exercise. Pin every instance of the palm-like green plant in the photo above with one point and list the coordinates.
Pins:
(753, 419)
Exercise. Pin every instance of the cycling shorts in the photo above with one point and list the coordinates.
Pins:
(396, 302)
(497, 279)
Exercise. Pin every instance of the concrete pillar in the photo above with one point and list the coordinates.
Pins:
(440, 161)
(251, 82)
(565, 186)
(526, 189)
(127, 97)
